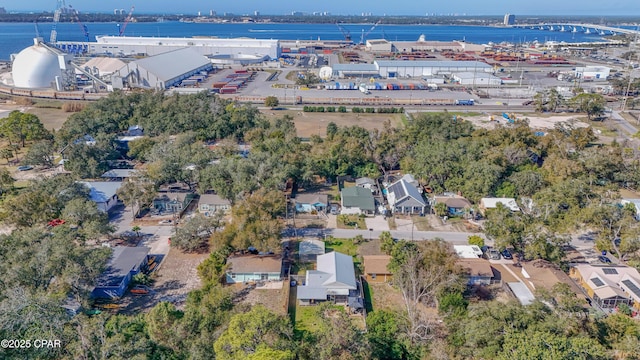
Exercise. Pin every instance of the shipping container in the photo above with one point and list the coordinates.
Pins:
(228, 90)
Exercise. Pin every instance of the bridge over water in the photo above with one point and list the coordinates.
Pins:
(579, 27)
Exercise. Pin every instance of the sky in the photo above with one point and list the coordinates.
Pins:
(341, 7)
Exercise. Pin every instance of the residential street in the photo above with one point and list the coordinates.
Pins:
(457, 238)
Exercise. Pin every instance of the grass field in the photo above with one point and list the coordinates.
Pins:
(351, 222)
(308, 124)
(345, 246)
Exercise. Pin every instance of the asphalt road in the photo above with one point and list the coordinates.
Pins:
(457, 238)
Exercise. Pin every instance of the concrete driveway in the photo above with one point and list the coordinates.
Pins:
(377, 223)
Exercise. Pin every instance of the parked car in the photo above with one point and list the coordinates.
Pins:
(334, 209)
(25, 167)
(603, 259)
(493, 254)
(506, 254)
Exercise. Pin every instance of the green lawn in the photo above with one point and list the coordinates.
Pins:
(307, 318)
(351, 222)
(345, 246)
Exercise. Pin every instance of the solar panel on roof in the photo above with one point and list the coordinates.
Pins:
(597, 282)
(610, 271)
(632, 287)
(398, 190)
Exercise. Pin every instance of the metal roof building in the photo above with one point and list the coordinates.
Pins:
(103, 193)
(207, 46)
(161, 71)
(402, 68)
(124, 263)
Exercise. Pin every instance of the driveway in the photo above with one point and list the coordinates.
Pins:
(377, 222)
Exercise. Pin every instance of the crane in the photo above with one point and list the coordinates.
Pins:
(76, 18)
(126, 21)
(56, 19)
(346, 33)
(364, 35)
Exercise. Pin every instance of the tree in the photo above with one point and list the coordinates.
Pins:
(591, 104)
(327, 344)
(20, 127)
(386, 242)
(271, 101)
(420, 271)
(441, 209)
(476, 240)
(84, 214)
(163, 322)
(6, 181)
(137, 193)
(194, 235)
(254, 335)
(385, 336)
(40, 154)
(6, 153)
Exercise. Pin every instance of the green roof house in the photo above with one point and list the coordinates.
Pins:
(357, 200)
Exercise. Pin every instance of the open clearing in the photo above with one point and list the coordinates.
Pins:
(308, 123)
(536, 121)
(52, 118)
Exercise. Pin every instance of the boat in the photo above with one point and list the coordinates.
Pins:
(588, 31)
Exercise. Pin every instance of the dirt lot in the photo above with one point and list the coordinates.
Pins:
(273, 299)
(386, 296)
(309, 124)
(536, 121)
(174, 279)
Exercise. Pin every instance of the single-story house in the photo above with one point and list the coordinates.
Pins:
(376, 268)
(635, 203)
(468, 251)
(209, 204)
(405, 198)
(310, 248)
(456, 205)
(334, 279)
(172, 202)
(120, 174)
(249, 268)
(609, 285)
(477, 271)
(125, 262)
(357, 200)
(311, 203)
(103, 193)
(492, 203)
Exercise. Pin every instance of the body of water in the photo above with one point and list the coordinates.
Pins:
(16, 36)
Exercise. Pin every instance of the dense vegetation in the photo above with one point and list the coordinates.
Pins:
(563, 181)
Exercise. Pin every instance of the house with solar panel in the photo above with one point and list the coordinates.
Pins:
(404, 197)
(608, 286)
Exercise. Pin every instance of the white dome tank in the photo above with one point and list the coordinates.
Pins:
(35, 67)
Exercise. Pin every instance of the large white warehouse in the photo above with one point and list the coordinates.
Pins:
(161, 71)
(149, 46)
(401, 68)
(407, 68)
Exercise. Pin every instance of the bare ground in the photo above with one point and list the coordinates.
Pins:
(273, 299)
(536, 121)
(385, 296)
(175, 278)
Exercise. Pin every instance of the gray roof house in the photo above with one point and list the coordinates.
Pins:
(209, 204)
(357, 200)
(333, 280)
(405, 198)
(103, 193)
(124, 263)
(367, 183)
(120, 174)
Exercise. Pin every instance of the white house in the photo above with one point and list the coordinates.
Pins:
(209, 204)
(334, 280)
(492, 203)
